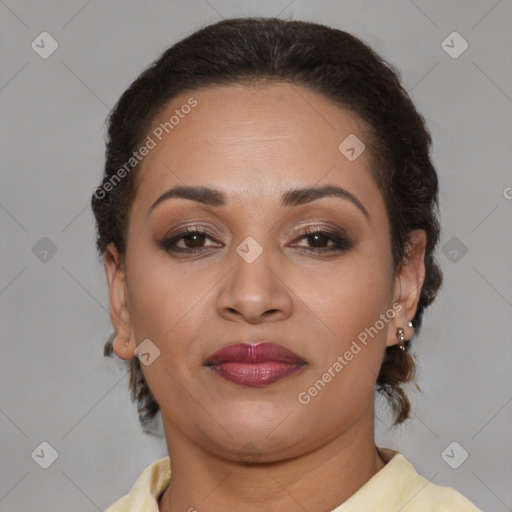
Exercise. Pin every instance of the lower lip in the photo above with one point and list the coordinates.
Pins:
(255, 374)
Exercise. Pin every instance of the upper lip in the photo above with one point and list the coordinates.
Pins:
(254, 353)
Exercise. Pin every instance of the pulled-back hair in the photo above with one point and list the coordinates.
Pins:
(326, 60)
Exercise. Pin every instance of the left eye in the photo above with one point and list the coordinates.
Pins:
(319, 239)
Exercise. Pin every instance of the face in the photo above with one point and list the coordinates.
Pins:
(253, 261)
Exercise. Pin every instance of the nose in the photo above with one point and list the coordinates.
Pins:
(255, 291)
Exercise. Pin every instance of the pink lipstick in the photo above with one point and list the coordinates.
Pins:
(254, 365)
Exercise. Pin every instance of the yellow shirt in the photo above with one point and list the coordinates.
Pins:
(396, 487)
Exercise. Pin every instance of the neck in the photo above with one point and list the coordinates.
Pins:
(321, 479)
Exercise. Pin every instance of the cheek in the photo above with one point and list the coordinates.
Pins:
(351, 306)
(167, 306)
(349, 302)
(351, 296)
(164, 300)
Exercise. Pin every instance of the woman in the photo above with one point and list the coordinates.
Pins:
(268, 222)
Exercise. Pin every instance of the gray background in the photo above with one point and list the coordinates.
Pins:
(56, 386)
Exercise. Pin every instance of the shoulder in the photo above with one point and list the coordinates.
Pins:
(422, 495)
(431, 497)
(146, 490)
(398, 486)
(121, 505)
(442, 499)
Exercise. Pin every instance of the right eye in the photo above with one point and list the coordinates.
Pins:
(192, 241)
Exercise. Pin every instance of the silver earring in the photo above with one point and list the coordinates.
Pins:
(400, 336)
(409, 324)
(127, 341)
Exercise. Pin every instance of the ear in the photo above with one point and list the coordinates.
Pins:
(408, 285)
(119, 311)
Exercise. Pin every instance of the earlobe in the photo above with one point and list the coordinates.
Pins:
(408, 285)
(123, 344)
(123, 348)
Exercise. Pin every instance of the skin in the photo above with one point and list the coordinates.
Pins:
(254, 144)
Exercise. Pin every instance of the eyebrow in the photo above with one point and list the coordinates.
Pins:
(293, 197)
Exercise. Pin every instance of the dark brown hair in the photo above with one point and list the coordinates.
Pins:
(326, 60)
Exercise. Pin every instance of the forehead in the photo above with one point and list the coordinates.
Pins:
(254, 142)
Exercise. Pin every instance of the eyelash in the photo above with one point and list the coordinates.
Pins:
(341, 244)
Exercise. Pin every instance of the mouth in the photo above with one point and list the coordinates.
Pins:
(255, 365)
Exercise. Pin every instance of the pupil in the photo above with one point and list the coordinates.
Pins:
(193, 236)
(317, 237)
